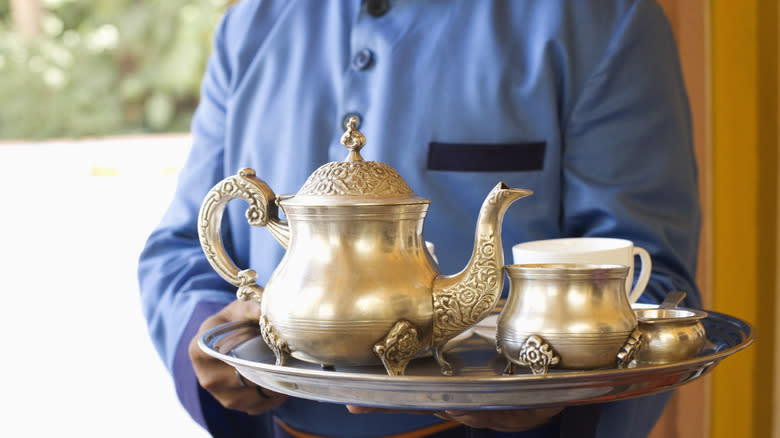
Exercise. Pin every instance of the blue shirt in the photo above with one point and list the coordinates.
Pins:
(582, 102)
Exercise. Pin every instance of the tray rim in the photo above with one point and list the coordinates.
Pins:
(470, 391)
(205, 341)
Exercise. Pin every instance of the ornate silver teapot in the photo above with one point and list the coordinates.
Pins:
(357, 284)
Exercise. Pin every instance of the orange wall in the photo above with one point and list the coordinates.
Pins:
(744, 187)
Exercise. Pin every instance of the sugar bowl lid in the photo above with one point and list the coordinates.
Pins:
(354, 180)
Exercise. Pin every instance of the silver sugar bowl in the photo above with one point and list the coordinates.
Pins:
(670, 334)
(571, 316)
(357, 285)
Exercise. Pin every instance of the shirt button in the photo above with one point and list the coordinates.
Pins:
(349, 116)
(362, 59)
(377, 8)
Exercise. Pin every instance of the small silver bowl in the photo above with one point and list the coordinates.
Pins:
(568, 316)
(669, 334)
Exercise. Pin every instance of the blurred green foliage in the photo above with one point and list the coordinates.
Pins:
(105, 67)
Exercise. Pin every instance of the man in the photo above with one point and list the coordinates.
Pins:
(582, 102)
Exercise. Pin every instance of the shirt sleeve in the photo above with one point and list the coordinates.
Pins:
(628, 165)
(178, 287)
(629, 170)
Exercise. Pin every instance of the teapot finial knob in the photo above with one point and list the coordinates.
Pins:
(354, 140)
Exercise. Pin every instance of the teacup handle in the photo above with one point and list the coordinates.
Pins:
(644, 274)
(262, 211)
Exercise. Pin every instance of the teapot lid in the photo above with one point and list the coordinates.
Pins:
(354, 180)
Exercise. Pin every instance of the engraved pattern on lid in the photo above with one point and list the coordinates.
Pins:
(370, 179)
(355, 177)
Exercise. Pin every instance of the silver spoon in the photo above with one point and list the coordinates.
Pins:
(672, 299)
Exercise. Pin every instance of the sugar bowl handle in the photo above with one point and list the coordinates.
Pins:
(262, 211)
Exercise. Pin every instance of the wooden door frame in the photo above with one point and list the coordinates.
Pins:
(688, 412)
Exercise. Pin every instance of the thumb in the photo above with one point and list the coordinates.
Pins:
(239, 310)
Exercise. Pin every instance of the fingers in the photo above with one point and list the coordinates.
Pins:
(224, 385)
(238, 311)
(365, 410)
(502, 421)
(219, 378)
(361, 409)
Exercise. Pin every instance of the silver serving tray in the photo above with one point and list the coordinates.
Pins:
(478, 382)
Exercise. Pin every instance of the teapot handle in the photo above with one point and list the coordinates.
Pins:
(262, 211)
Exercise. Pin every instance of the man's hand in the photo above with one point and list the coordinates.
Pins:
(219, 378)
(501, 421)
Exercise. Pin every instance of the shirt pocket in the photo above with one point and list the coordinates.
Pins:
(480, 157)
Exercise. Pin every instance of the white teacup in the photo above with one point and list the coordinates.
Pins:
(589, 250)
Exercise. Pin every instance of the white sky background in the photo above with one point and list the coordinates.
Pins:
(77, 360)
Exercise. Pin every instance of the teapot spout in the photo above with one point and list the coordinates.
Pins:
(463, 299)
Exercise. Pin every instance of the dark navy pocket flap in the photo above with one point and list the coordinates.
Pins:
(473, 157)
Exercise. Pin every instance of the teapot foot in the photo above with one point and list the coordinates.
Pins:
(446, 368)
(398, 347)
(537, 355)
(278, 346)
